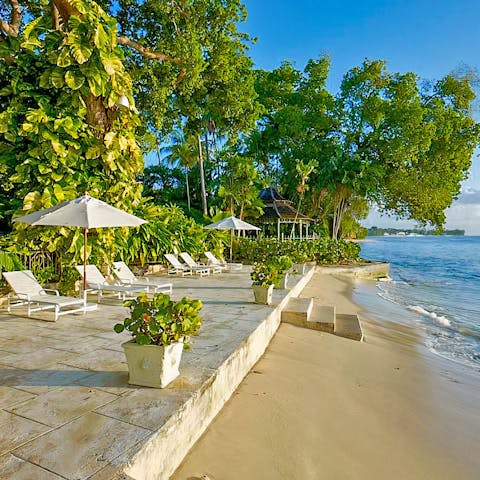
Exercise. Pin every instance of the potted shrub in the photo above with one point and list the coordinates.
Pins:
(264, 276)
(161, 329)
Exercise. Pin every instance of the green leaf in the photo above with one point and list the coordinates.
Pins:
(93, 152)
(142, 339)
(96, 84)
(74, 80)
(81, 53)
(119, 328)
(64, 59)
(56, 78)
(111, 63)
(100, 37)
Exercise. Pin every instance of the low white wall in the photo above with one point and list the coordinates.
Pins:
(165, 450)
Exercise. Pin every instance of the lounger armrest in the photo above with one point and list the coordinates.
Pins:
(20, 295)
(123, 281)
(56, 292)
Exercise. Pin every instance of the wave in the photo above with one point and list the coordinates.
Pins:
(437, 318)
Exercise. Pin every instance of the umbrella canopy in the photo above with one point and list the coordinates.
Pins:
(231, 223)
(85, 212)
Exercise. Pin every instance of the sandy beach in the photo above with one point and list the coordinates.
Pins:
(317, 406)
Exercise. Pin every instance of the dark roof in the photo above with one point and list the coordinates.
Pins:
(268, 194)
(277, 206)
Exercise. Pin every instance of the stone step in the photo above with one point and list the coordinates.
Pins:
(348, 326)
(297, 311)
(322, 317)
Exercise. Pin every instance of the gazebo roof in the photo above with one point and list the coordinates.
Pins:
(278, 207)
(270, 194)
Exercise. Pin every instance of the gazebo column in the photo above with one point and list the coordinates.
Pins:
(306, 229)
(301, 229)
(278, 228)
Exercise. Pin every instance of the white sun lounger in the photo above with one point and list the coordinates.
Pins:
(197, 267)
(126, 277)
(178, 267)
(213, 260)
(30, 293)
(96, 282)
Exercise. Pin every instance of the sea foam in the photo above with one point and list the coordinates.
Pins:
(438, 318)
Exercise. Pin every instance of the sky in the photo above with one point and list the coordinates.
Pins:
(428, 37)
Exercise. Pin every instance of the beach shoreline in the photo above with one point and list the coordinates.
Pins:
(319, 406)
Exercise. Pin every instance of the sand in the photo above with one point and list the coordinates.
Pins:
(317, 406)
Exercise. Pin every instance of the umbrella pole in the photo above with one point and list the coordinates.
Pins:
(85, 231)
(231, 244)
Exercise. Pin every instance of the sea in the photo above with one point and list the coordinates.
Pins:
(435, 287)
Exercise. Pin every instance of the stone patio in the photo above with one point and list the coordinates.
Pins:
(67, 411)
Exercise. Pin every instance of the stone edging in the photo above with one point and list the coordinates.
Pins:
(163, 452)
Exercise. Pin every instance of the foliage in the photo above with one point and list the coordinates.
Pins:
(61, 131)
(168, 230)
(63, 68)
(382, 139)
(9, 262)
(160, 320)
(239, 187)
(323, 251)
(265, 272)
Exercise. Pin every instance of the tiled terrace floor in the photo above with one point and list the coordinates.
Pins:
(66, 409)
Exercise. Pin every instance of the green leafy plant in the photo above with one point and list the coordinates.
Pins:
(265, 273)
(323, 250)
(160, 320)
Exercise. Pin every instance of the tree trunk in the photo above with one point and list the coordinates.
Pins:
(202, 177)
(188, 188)
(338, 213)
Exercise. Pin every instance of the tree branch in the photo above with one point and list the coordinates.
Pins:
(66, 10)
(13, 27)
(145, 51)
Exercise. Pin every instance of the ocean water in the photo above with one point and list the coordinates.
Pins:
(435, 287)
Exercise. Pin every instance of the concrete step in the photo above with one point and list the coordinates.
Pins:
(322, 317)
(348, 326)
(297, 311)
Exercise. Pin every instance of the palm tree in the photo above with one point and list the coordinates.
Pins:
(183, 152)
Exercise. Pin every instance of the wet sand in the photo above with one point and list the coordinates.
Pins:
(318, 406)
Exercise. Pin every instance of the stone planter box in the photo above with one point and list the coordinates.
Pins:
(152, 365)
(263, 295)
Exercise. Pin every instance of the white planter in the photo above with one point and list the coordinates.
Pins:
(152, 365)
(263, 295)
(284, 282)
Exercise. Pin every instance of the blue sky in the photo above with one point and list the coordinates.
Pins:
(428, 37)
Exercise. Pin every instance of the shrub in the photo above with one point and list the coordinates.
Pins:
(323, 250)
(160, 320)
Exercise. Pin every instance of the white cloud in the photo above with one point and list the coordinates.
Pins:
(463, 214)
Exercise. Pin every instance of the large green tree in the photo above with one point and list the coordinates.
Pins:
(61, 130)
(382, 139)
(64, 65)
(404, 148)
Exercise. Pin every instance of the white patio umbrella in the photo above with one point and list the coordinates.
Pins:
(85, 212)
(231, 223)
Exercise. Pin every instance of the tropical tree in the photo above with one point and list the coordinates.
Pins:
(382, 139)
(62, 131)
(239, 185)
(63, 75)
(183, 152)
(405, 149)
